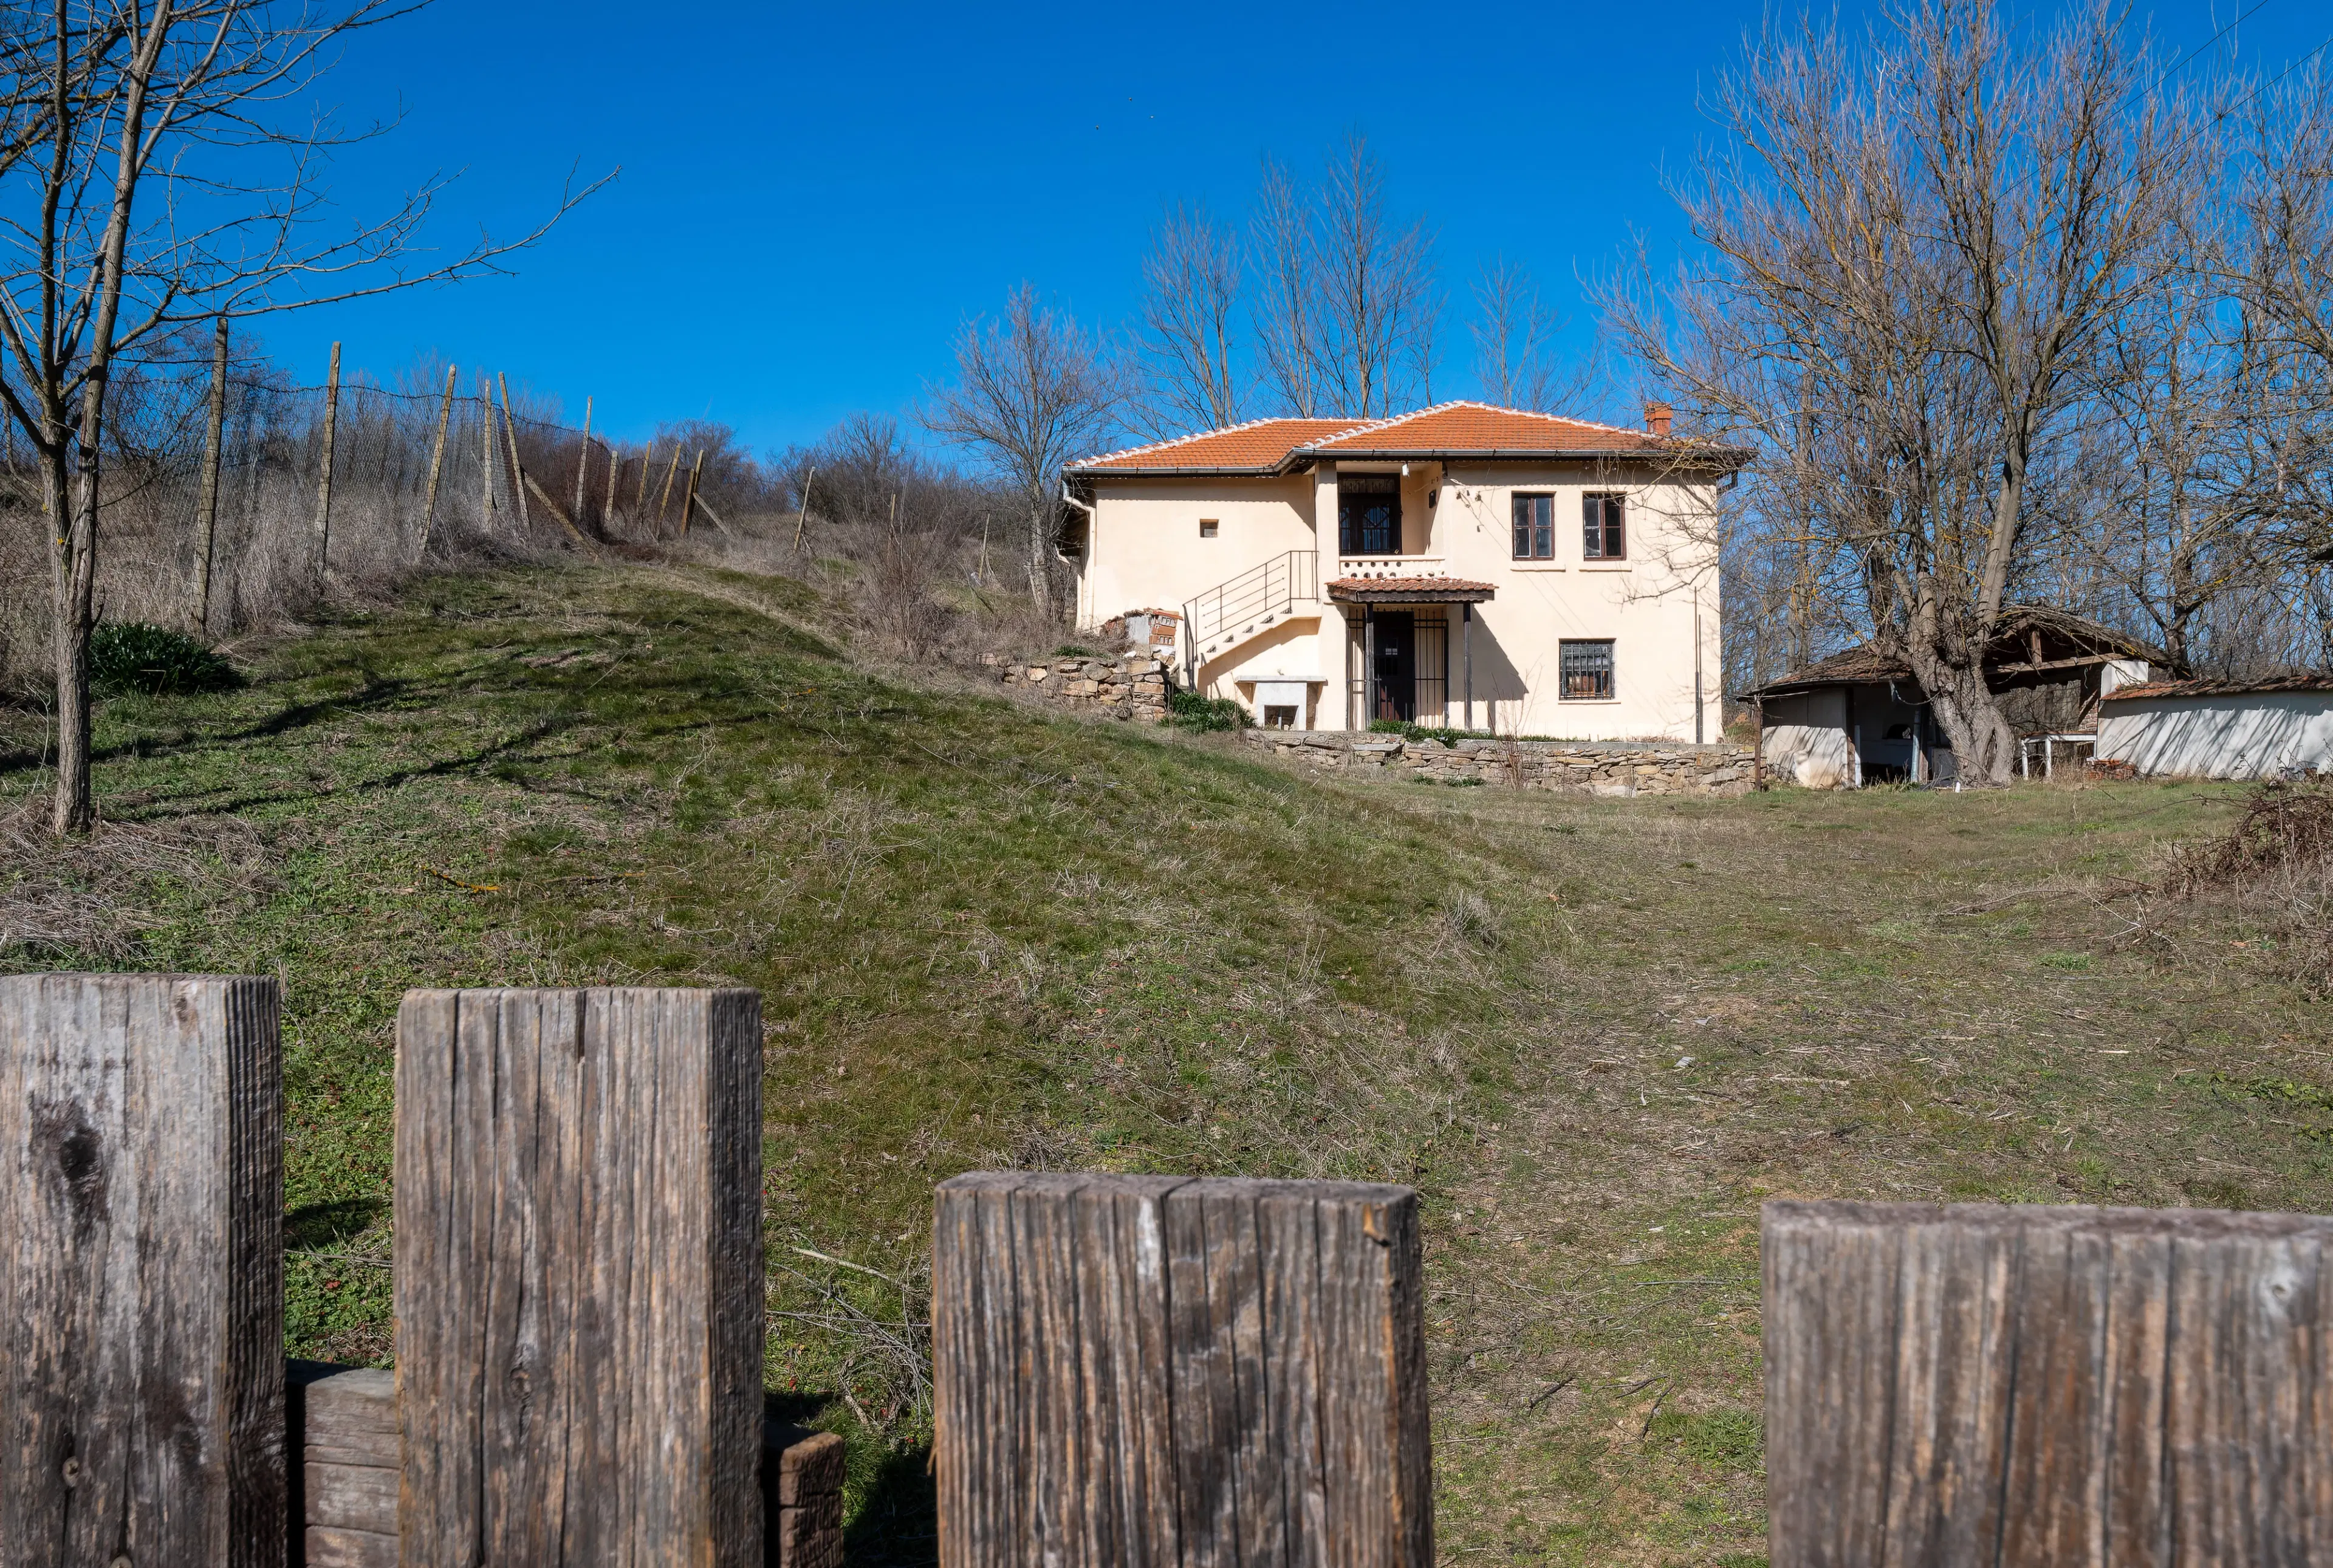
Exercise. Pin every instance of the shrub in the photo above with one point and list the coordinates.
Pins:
(1189, 710)
(126, 656)
(1074, 651)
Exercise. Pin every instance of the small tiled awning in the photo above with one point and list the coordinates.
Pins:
(1409, 591)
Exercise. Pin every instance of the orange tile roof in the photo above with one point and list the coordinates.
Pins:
(1480, 427)
(1260, 444)
(1269, 446)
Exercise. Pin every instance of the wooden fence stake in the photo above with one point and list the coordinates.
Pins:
(487, 453)
(579, 1277)
(141, 1203)
(583, 462)
(664, 498)
(1146, 1372)
(688, 500)
(214, 444)
(437, 461)
(802, 518)
(648, 461)
(2038, 1385)
(510, 429)
(325, 484)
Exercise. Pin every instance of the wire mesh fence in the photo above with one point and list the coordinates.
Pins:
(415, 477)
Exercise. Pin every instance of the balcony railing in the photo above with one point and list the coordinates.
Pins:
(1391, 566)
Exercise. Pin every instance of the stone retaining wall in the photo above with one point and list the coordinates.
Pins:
(1131, 686)
(1567, 768)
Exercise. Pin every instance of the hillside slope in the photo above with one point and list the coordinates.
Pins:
(1595, 1033)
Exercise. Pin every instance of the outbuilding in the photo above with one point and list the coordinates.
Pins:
(2271, 728)
(1860, 717)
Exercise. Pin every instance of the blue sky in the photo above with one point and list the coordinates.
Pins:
(812, 199)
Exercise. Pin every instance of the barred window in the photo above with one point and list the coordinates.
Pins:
(1534, 527)
(1605, 535)
(1586, 668)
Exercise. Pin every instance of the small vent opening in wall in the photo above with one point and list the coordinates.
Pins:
(1207, 527)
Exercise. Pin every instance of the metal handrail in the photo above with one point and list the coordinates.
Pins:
(1271, 588)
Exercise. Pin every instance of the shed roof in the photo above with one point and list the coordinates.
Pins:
(2008, 652)
(2262, 687)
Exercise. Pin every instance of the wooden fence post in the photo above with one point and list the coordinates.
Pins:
(324, 483)
(583, 463)
(578, 1279)
(213, 445)
(2040, 1385)
(142, 1204)
(688, 499)
(1149, 1372)
(437, 463)
(510, 428)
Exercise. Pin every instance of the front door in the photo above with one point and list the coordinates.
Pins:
(1395, 672)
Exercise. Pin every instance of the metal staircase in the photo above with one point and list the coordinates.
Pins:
(1233, 612)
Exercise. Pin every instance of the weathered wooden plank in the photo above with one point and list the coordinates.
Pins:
(141, 1232)
(327, 1547)
(1373, 1402)
(1239, 1344)
(578, 1276)
(349, 1417)
(801, 1491)
(2033, 1385)
(1123, 1337)
(352, 1496)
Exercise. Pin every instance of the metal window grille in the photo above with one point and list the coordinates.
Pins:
(1586, 672)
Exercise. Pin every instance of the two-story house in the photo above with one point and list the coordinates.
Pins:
(1465, 565)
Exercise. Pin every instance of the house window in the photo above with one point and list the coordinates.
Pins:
(1206, 527)
(1534, 527)
(1280, 715)
(1586, 668)
(1605, 535)
(1369, 514)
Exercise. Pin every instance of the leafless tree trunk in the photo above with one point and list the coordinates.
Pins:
(1033, 392)
(1191, 289)
(166, 171)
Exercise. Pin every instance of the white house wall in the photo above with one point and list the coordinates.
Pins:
(1144, 551)
(2255, 734)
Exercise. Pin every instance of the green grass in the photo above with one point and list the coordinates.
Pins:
(1596, 1033)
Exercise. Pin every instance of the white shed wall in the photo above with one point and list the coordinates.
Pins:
(2252, 735)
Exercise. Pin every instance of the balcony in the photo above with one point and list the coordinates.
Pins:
(1349, 566)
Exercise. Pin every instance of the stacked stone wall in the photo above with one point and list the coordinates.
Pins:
(1566, 767)
(1132, 686)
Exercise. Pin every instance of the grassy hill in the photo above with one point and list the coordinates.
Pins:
(1596, 1033)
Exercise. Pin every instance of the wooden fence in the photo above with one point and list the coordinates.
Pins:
(1130, 1370)
(1146, 1371)
(579, 1288)
(2028, 1386)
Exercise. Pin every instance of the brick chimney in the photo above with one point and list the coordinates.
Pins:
(1656, 417)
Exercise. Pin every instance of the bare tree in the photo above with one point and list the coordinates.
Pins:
(1033, 392)
(1514, 340)
(1344, 324)
(1287, 312)
(1913, 249)
(164, 169)
(1191, 289)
